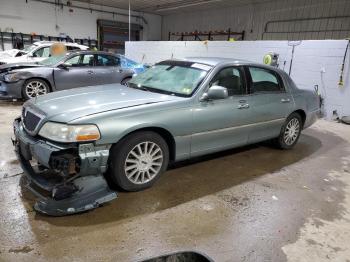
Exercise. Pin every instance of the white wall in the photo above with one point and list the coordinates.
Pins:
(42, 18)
(253, 17)
(316, 62)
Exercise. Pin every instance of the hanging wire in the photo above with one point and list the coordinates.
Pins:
(341, 81)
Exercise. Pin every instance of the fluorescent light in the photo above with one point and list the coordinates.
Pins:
(187, 5)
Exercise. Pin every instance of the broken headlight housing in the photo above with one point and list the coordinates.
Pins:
(69, 133)
(12, 77)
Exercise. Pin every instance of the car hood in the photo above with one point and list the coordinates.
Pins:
(8, 60)
(9, 53)
(69, 105)
(14, 66)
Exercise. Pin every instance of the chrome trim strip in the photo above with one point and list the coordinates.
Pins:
(238, 127)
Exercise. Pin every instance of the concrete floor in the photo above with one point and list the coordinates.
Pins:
(250, 204)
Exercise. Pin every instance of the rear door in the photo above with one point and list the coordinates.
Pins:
(79, 73)
(108, 70)
(270, 102)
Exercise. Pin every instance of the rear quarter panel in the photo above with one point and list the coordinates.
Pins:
(305, 100)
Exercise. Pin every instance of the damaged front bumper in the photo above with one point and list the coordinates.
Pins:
(67, 179)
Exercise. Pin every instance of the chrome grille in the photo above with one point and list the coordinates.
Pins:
(30, 120)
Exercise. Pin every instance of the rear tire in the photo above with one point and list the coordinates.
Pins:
(138, 160)
(34, 87)
(290, 132)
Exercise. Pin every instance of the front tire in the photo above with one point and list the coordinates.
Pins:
(290, 132)
(138, 161)
(125, 81)
(34, 87)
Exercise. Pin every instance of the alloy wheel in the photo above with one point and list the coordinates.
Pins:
(143, 162)
(291, 131)
(35, 88)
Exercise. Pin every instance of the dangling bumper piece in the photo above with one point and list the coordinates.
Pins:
(67, 179)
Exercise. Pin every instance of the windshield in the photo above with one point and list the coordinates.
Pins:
(179, 78)
(52, 60)
(29, 48)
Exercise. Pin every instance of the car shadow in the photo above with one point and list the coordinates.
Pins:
(189, 180)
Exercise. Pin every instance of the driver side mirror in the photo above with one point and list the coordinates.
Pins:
(214, 93)
(64, 66)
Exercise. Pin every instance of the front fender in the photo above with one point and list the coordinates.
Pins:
(115, 125)
(45, 75)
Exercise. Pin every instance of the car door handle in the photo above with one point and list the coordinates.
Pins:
(90, 72)
(120, 71)
(285, 100)
(243, 106)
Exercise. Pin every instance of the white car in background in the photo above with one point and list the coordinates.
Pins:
(36, 52)
(10, 53)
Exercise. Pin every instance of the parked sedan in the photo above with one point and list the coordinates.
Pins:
(176, 110)
(75, 69)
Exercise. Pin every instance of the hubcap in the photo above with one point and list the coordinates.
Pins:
(292, 131)
(143, 162)
(35, 88)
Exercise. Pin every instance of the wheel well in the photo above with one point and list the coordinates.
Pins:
(128, 77)
(43, 79)
(165, 134)
(302, 114)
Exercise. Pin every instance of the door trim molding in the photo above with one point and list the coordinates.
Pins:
(238, 127)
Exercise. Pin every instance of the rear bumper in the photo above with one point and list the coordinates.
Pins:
(11, 90)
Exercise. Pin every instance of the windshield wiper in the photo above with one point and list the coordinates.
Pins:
(144, 88)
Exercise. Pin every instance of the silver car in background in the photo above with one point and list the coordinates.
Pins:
(176, 110)
(75, 69)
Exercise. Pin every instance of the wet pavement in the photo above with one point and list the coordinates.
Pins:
(254, 203)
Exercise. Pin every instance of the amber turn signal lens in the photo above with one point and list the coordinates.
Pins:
(88, 137)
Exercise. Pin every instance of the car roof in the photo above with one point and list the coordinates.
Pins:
(89, 52)
(215, 61)
(38, 43)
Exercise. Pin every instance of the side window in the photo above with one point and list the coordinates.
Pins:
(232, 79)
(74, 61)
(88, 60)
(106, 60)
(42, 52)
(81, 60)
(117, 61)
(264, 80)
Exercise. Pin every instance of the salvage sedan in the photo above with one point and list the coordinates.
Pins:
(36, 52)
(175, 110)
(75, 69)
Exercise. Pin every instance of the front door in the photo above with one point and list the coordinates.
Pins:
(78, 73)
(221, 124)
